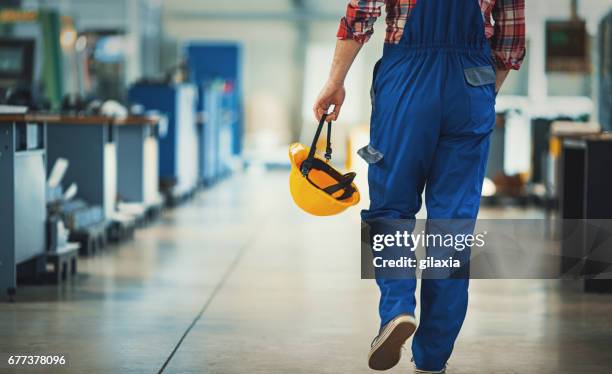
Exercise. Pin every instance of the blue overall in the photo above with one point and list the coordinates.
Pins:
(433, 112)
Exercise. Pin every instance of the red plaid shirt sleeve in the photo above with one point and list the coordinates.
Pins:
(508, 41)
(358, 24)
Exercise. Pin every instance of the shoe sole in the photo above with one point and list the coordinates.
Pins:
(387, 351)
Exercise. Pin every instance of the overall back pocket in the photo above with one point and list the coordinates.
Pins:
(481, 91)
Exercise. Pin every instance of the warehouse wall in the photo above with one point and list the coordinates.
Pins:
(267, 66)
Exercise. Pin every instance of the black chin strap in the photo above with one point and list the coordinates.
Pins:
(309, 162)
(344, 181)
(328, 150)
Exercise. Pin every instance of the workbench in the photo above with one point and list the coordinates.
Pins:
(89, 145)
(22, 194)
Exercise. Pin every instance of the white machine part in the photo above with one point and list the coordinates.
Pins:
(57, 173)
(71, 192)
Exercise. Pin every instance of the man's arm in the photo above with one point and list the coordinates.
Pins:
(508, 42)
(333, 92)
(355, 29)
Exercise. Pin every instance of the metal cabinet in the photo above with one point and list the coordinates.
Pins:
(585, 194)
(137, 159)
(22, 195)
(89, 145)
(178, 147)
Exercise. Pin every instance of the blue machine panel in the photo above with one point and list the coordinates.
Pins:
(209, 136)
(163, 98)
(178, 148)
(214, 60)
(220, 61)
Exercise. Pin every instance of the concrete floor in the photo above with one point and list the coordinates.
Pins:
(239, 281)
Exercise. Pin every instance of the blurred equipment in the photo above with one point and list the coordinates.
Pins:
(16, 69)
(572, 109)
(216, 132)
(73, 103)
(501, 187)
(316, 187)
(105, 63)
(220, 62)
(89, 144)
(113, 109)
(22, 199)
(13, 109)
(61, 253)
(55, 177)
(561, 130)
(137, 167)
(45, 24)
(605, 72)
(488, 188)
(68, 218)
(208, 134)
(584, 193)
(567, 46)
(178, 152)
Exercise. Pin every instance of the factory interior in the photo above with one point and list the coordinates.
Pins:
(146, 221)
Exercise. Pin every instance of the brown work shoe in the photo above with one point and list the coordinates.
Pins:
(386, 348)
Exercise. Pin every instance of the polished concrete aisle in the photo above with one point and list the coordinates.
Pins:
(239, 281)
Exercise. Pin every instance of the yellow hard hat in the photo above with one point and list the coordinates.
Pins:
(315, 185)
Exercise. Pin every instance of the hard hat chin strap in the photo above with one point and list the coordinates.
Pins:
(308, 163)
(344, 182)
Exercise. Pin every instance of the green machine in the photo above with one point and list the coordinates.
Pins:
(49, 22)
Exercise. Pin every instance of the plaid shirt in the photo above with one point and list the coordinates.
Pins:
(506, 34)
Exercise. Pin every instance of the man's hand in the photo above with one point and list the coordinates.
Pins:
(331, 94)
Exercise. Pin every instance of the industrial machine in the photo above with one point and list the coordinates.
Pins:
(208, 136)
(215, 70)
(584, 190)
(216, 132)
(22, 196)
(178, 148)
(137, 166)
(89, 144)
(605, 72)
(16, 68)
(220, 61)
